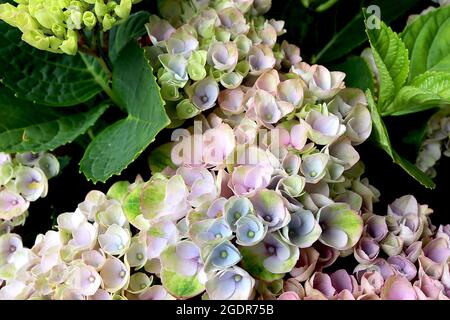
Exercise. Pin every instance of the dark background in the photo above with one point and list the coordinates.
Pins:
(311, 31)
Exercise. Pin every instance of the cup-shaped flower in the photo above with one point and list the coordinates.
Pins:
(182, 41)
(271, 258)
(139, 282)
(12, 205)
(303, 229)
(344, 153)
(342, 281)
(115, 241)
(182, 273)
(110, 213)
(371, 282)
(115, 274)
(320, 285)
(268, 81)
(324, 128)
(231, 101)
(435, 256)
(230, 284)
(428, 288)
(233, 21)
(398, 287)
(164, 199)
(404, 206)
(314, 166)
(235, 208)
(94, 258)
(158, 29)
(10, 243)
(159, 236)
(291, 54)
(175, 66)
(223, 56)
(222, 256)
(92, 204)
(204, 93)
(291, 164)
(305, 265)
(292, 185)
(341, 226)
(183, 258)
(411, 228)
(31, 183)
(392, 245)
(246, 180)
(263, 108)
(325, 84)
(366, 250)
(249, 230)
(260, 58)
(83, 279)
(359, 124)
(269, 206)
(210, 231)
(291, 91)
(218, 143)
(376, 227)
(413, 251)
(403, 266)
(49, 164)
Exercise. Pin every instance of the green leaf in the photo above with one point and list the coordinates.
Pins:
(353, 35)
(27, 127)
(160, 158)
(358, 74)
(428, 42)
(381, 136)
(427, 91)
(47, 78)
(391, 58)
(121, 143)
(123, 33)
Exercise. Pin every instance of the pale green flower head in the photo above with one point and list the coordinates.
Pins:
(270, 259)
(164, 199)
(341, 226)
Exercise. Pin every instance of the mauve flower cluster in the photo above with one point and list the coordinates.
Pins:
(23, 179)
(201, 45)
(401, 256)
(438, 138)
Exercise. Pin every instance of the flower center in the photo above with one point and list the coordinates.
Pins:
(223, 254)
(237, 215)
(237, 278)
(251, 234)
(313, 174)
(204, 98)
(91, 279)
(268, 218)
(12, 249)
(122, 274)
(15, 202)
(140, 256)
(271, 249)
(218, 236)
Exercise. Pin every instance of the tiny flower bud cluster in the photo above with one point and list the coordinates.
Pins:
(436, 144)
(52, 25)
(23, 179)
